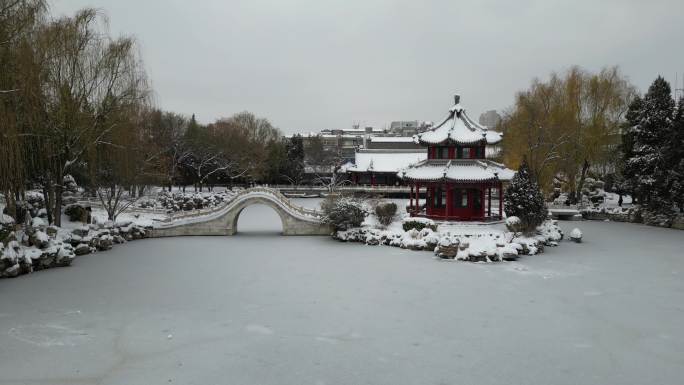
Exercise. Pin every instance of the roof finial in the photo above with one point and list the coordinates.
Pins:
(457, 98)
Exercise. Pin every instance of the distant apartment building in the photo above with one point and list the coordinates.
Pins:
(391, 142)
(490, 119)
(342, 143)
(404, 128)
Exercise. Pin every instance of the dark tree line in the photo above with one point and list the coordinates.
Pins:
(652, 170)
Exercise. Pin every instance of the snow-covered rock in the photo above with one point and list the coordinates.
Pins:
(459, 242)
(82, 249)
(37, 248)
(39, 239)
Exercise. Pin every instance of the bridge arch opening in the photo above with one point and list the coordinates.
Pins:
(258, 218)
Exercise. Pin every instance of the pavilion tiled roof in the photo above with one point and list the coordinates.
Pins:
(458, 128)
(456, 170)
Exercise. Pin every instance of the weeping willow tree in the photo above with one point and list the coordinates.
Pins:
(567, 126)
(114, 163)
(19, 21)
(91, 81)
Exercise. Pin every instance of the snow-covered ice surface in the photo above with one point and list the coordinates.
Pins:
(262, 309)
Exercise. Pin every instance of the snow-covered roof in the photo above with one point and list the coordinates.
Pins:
(458, 128)
(380, 160)
(391, 139)
(465, 170)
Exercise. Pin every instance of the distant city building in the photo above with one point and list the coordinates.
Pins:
(341, 143)
(490, 119)
(355, 130)
(380, 166)
(391, 142)
(404, 127)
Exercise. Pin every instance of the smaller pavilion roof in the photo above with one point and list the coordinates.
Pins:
(385, 160)
(458, 128)
(456, 170)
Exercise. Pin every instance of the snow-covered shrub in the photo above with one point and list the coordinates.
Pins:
(524, 199)
(576, 235)
(76, 212)
(659, 218)
(69, 184)
(385, 212)
(6, 226)
(343, 212)
(418, 224)
(514, 224)
(551, 232)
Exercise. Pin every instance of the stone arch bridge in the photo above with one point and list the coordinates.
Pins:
(222, 220)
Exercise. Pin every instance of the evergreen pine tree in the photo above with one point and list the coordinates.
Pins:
(295, 159)
(675, 158)
(627, 171)
(524, 199)
(647, 166)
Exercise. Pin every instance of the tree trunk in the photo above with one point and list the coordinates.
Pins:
(583, 175)
(11, 205)
(48, 204)
(58, 203)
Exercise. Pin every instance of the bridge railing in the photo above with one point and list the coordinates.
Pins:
(210, 210)
(285, 201)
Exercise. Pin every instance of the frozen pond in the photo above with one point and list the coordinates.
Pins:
(262, 309)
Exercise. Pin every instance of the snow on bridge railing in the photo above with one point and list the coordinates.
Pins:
(282, 199)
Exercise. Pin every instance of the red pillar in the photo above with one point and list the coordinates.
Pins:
(489, 200)
(500, 200)
(417, 198)
(411, 200)
(449, 200)
(482, 201)
(427, 199)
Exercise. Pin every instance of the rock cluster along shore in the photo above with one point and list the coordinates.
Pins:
(483, 246)
(635, 215)
(39, 246)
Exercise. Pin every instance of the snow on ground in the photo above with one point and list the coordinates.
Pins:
(255, 309)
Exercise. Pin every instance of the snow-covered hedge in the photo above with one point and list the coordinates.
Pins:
(418, 223)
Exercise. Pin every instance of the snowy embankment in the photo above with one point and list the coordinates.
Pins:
(38, 246)
(34, 245)
(457, 241)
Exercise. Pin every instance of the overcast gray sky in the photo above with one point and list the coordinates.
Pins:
(313, 64)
